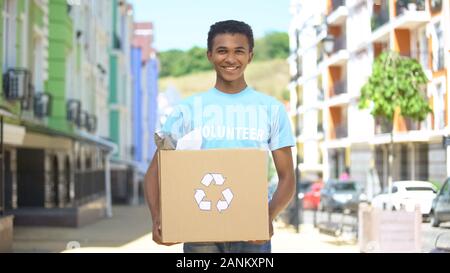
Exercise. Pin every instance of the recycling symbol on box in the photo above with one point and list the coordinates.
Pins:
(200, 195)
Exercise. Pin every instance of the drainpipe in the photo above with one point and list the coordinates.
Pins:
(108, 185)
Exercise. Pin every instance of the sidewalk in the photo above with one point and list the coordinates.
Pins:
(129, 230)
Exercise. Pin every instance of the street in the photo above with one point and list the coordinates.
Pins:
(129, 231)
(429, 233)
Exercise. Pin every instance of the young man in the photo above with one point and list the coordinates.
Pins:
(231, 115)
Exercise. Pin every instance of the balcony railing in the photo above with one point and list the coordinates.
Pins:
(339, 87)
(341, 131)
(412, 124)
(382, 126)
(339, 43)
(403, 6)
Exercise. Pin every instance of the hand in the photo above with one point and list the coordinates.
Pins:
(156, 232)
(260, 242)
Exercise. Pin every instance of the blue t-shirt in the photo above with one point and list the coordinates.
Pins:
(248, 119)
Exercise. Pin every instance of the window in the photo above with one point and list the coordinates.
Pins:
(438, 47)
(420, 50)
(9, 34)
(345, 186)
(420, 189)
(439, 106)
(446, 189)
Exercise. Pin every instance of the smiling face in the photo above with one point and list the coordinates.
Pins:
(230, 55)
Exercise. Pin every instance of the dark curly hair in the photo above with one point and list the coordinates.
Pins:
(231, 27)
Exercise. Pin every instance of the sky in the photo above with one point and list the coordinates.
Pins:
(182, 24)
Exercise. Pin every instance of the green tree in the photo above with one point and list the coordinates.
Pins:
(397, 85)
(170, 61)
(273, 45)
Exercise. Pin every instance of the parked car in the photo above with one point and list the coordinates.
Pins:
(406, 195)
(340, 195)
(440, 208)
(311, 198)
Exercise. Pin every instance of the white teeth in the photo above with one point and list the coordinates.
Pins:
(230, 68)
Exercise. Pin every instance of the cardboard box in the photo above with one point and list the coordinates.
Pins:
(214, 195)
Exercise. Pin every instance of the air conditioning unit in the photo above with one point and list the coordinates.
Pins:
(91, 123)
(16, 84)
(84, 116)
(74, 111)
(42, 105)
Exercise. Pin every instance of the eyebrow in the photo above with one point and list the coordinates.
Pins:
(223, 47)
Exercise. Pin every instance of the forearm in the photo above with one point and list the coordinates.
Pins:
(282, 196)
(151, 186)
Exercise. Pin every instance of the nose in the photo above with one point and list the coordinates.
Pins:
(230, 58)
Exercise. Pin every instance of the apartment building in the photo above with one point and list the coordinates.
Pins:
(333, 46)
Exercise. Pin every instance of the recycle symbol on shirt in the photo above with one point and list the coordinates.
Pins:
(200, 195)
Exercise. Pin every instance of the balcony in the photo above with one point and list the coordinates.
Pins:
(382, 126)
(410, 14)
(339, 43)
(412, 125)
(436, 6)
(338, 13)
(379, 19)
(404, 6)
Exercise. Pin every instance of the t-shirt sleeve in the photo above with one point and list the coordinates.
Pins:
(281, 134)
(177, 123)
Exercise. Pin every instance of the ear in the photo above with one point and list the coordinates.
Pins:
(209, 55)
(250, 57)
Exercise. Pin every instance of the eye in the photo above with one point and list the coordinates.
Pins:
(221, 51)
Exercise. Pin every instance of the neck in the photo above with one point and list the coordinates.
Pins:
(232, 87)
